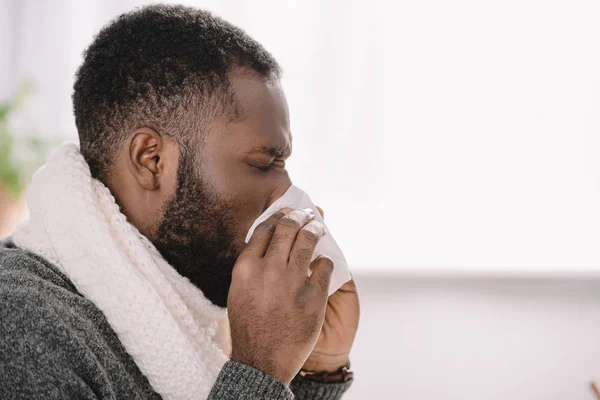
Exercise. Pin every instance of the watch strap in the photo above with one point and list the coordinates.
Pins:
(342, 375)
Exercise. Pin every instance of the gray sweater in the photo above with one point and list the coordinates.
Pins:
(56, 344)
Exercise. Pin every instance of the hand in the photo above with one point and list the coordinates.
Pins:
(275, 311)
(332, 350)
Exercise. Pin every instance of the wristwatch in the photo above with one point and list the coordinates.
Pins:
(342, 375)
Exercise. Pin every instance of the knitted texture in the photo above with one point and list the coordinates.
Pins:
(240, 381)
(173, 333)
(56, 344)
(304, 389)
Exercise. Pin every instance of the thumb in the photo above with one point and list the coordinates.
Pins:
(321, 211)
(322, 268)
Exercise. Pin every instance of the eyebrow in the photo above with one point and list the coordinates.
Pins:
(274, 151)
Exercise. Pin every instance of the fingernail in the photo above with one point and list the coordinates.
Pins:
(285, 210)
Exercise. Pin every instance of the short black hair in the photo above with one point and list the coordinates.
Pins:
(164, 67)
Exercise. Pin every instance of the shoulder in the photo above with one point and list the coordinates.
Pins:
(33, 291)
(23, 269)
(55, 342)
(38, 304)
(39, 345)
(30, 287)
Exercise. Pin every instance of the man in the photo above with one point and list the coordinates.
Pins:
(116, 286)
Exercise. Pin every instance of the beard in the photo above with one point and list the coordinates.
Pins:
(196, 236)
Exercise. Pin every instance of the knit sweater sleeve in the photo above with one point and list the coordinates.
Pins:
(240, 381)
(305, 390)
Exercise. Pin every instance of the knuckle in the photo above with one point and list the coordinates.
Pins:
(271, 277)
(326, 263)
(306, 296)
(309, 235)
(265, 227)
(276, 242)
(314, 299)
(241, 271)
(324, 281)
(278, 215)
(303, 256)
(289, 223)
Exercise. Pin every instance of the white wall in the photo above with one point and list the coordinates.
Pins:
(476, 338)
(469, 128)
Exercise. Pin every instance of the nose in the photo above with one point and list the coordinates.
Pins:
(282, 186)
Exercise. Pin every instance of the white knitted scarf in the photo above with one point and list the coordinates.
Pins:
(176, 336)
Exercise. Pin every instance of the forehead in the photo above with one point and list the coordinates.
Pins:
(265, 118)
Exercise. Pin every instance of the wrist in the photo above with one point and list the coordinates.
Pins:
(325, 364)
(341, 375)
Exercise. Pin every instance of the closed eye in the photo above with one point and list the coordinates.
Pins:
(269, 167)
(263, 168)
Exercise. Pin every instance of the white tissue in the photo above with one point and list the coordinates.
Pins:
(295, 198)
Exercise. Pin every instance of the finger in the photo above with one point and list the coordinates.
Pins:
(305, 244)
(322, 269)
(285, 234)
(262, 235)
(321, 211)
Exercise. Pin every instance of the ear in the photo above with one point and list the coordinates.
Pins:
(145, 157)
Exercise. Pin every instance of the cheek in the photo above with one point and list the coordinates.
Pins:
(247, 193)
(168, 184)
(251, 205)
(253, 202)
(170, 164)
(257, 193)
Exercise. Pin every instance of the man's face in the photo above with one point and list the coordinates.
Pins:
(237, 172)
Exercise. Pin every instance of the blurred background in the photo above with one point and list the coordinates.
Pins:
(454, 147)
